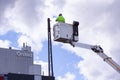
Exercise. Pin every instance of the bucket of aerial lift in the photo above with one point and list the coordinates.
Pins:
(64, 32)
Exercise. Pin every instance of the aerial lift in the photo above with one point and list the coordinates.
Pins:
(68, 33)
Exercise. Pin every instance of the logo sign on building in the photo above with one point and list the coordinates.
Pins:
(24, 54)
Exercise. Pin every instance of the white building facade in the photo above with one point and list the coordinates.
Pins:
(18, 61)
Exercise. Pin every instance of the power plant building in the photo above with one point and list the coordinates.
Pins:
(17, 63)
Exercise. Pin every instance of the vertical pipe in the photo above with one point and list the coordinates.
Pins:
(50, 60)
(48, 47)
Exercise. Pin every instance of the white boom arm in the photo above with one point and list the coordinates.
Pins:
(97, 49)
(68, 33)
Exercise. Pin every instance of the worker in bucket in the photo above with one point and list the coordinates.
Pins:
(60, 18)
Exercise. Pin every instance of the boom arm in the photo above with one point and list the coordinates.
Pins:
(68, 33)
(97, 49)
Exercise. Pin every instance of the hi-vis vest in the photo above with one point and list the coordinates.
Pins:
(60, 19)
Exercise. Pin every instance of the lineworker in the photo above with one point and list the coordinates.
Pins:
(60, 18)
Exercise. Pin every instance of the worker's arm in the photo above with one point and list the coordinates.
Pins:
(57, 19)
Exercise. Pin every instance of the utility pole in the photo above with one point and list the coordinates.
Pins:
(50, 60)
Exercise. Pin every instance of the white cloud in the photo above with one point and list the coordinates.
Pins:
(26, 17)
(5, 43)
(4, 29)
(59, 3)
(44, 66)
(30, 19)
(68, 76)
(98, 2)
(93, 67)
(31, 42)
(98, 26)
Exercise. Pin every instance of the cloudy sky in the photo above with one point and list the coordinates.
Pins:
(26, 21)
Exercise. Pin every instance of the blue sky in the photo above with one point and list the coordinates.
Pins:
(64, 61)
(12, 37)
(26, 21)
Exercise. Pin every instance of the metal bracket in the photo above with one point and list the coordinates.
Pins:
(97, 49)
